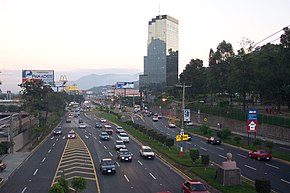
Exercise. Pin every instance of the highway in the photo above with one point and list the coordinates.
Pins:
(58, 156)
(276, 171)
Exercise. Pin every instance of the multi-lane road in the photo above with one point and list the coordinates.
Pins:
(59, 156)
(276, 171)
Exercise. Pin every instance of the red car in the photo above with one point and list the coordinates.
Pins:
(193, 186)
(260, 155)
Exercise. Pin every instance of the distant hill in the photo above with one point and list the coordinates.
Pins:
(94, 80)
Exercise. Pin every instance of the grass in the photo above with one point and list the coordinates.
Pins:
(185, 164)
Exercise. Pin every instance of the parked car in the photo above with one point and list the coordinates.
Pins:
(124, 155)
(260, 154)
(104, 136)
(107, 166)
(146, 152)
(193, 186)
(214, 140)
(71, 134)
(57, 131)
(124, 137)
(119, 145)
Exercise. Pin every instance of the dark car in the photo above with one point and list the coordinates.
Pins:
(260, 155)
(98, 125)
(2, 166)
(81, 120)
(68, 120)
(57, 131)
(193, 186)
(124, 155)
(214, 140)
(107, 166)
(104, 136)
(189, 136)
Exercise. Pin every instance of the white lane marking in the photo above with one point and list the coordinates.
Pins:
(100, 142)
(23, 190)
(95, 138)
(152, 176)
(49, 151)
(202, 142)
(52, 137)
(105, 147)
(43, 159)
(188, 143)
(63, 137)
(242, 155)
(250, 167)
(140, 163)
(127, 178)
(35, 172)
(118, 164)
(222, 156)
(285, 181)
(90, 134)
(285, 148)
(167, 134)
(273, 166)
(111, 154)
(53, 144)
(203, 148)
(220, 148)
(57, 139)
(86, 137)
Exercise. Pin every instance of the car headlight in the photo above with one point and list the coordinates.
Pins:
(130, 157)
(123, 158)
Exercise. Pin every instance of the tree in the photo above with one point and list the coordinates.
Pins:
(194, 154)
(79, 183)
(56, 188)
(63, 183)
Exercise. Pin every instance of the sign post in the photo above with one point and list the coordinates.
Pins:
(252, 123)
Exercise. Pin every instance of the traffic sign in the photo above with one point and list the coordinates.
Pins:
(186, 114)
(181, 137)
(252, 126)
(178, 138)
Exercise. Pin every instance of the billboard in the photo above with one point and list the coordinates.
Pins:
(47, 76)
(252, 123)
(186, 115)
(123, 85)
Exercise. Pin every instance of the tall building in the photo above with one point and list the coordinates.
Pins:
(161, 62)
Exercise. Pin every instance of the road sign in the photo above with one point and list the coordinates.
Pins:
(178, 138)
(185, 137)
(181, 137)
(252, 123)
(186, 115)
(181, 132)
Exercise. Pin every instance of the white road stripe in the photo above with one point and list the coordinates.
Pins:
(188, 143)
(140, 163)
(90, 134)
(222, 156)
(57, 139)
(35, 172)
(86, 136)
(152, 176)
(111, 154)
(53, 144)
(202, 142)
(203, 148)
(167, 134)
(250, 167)
(242, 155)
(52, 137)
(285, 148)
(95, 138)
(126, 178)
(43, 159)
(63, 137)
(105, 147)
(49, 151)
(100, 142)
(118, 164)
(23, 190)
(285, 181)
(220, 148)
(273, 166)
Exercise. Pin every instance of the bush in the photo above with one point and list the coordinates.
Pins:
(63, 183)
(237, 139)
(169, 142)
(257, 143)
(79, 183)
(204, 129)
(263, 186)
(205, 159)
(161, 138)
(224, 133)
(56, 188)
(269, 145)
(194, 154)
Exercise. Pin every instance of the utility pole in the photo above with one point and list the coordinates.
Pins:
(183, 86)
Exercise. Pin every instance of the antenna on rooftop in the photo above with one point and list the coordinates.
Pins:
(159, 8)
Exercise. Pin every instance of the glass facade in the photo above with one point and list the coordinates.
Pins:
(161, 62)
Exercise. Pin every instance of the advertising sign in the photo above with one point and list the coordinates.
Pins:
(47, 76)
(252, 123)
(186, 115)
(123, 85)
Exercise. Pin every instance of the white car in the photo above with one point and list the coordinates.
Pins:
(171, 125)
(120, 130)
(155, 118)
(119, 145)
(82, 126)
(146, 152)
(189, 124)
(102, 120)
(124, 137)
(71, 134)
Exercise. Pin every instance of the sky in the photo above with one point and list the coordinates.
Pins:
(77, 35)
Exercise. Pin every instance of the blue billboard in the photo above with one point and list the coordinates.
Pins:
(123, 85)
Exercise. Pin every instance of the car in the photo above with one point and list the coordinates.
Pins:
(214, 140)
(57, 131)
(98, 125)
(124, 155)
(146, 152)
(71, 134)
(2, 166)
(81, 120)
(108, 129)
(82, 126)
(104, 136)
(107, 166)
(260, 154)
(124, 137)
(189, 124)
(159, 116)
(102, 120)
(68, 120)
(155, 118)
(119, 144)
(189, 136)
(193, 186)
(120, 130)
(171, 125)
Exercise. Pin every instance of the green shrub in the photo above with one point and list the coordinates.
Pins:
(205, 159)
(56, 188)
(169, 142)
(263, 186)
(63, 183)
(257, 143)
(269, 145)
(237, 139)
(194, 154)
(79, 183)
(204, 129)
(225, 133)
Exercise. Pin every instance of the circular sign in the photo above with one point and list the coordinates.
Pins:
(205, 119)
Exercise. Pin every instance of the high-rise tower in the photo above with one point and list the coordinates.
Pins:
(161, 62)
